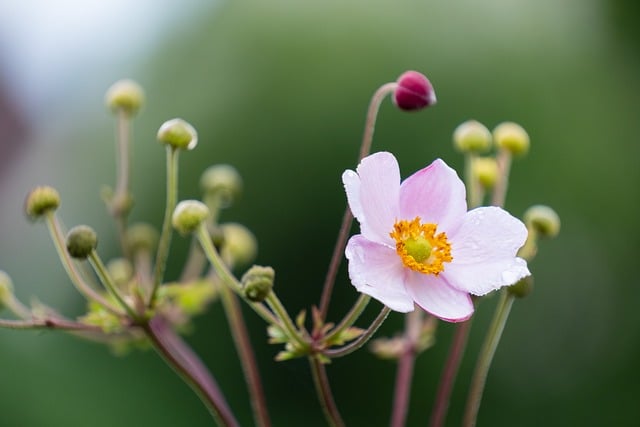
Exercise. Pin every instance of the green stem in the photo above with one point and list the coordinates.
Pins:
(247, 357)
(48, 323)
(351, 317)
(58, 240)
(105, 278)
(474, 191)
(286, 322)
(323, 390)
(165, 236)
(500, 189)
(120, 203)
(362, 339)
(492, 339)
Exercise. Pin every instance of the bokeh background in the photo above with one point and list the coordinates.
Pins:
(279, 89)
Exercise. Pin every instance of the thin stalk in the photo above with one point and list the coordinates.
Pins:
(247, 357)
(71, 269)
(121, 196)
(449, 374)
(105, 278)
(351, 317)
(323, 390)
(184, 363)
(492, 339)
(48, 323)
(404, 375)
(347, 218)
(362, 339)
(474, 191)
(282, 314)
(165, 235)
(500, 189)
(225, 275)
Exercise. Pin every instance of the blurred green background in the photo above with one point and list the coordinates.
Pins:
(279, 89)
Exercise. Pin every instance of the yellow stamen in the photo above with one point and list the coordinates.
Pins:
(419, 247)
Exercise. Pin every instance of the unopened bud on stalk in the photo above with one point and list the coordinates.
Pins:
(239, 245)
(223, 181)
(40, 201)
(544, 220)
(120, 270)
(188, 215)
(485, 170)
(178, 134)
(472, 137)
(414, 92)
(141, 237)
(125, 95)
(81, 241)
(522, 287)
(257, 283)
(511, 137)
(6, 288)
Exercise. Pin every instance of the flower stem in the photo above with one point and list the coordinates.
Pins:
(351, 317)
(449, 374)
(165, 235)
(347, 218)
(323, 390)
(362, 339)
(492, 339)
(186, 364)
(48, 323)
(120, 202)
(102, 273)
(500, 189)
(247, 357)
(76, 278)
(404, 375)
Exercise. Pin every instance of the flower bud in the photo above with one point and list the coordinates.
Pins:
(472, 137)
(188, 215)
(239, 246)
(81, 241)
(257, 283)
(544, 220)
(522, 287)
(120, 270)
(141, 237)
(126, 96)
(485, 170)
(178, 134)
(223, 181)
(40, 201)
(414, 92)
(6, 288)
(511, 137)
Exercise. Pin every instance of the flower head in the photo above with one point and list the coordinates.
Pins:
(418, 244)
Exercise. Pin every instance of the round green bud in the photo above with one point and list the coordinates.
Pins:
(81, 241)
(239, 245)
(188, 215)
(40, 201)
(141, 237)
(485, 170)
(522, 287)
(6, 288)
(511, 137)
(178, 134)
(257, 283)
(120, 270)
(544, 220)
(126, 96)
(472, 137)
(223, 181)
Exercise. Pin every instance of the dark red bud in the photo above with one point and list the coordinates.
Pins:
(414, 92)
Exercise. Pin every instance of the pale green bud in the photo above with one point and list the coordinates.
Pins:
(239, 245)
(485, 170)
(141, 237)
(120, 270)
(6, 288)
(522, 287)
(188, 215)
(544, 220)
(81, 241)
(178, 134)
(40, 201)
(223, 181)
(472, 137)
(511, 137)
(125, 95)
(257, 283)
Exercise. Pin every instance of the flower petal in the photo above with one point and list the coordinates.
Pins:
(484, 251)
(376, 270)
(434, 295)
(373, 195)
(436, 195)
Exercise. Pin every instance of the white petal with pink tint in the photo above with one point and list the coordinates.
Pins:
(436, 195)
(376, 270)
(434, 295)
(484, 277)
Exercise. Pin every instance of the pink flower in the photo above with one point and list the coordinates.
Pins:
(418, 244)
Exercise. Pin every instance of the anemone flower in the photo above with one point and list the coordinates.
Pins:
(418, 244)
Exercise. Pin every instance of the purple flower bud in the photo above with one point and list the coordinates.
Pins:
(414, 91)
